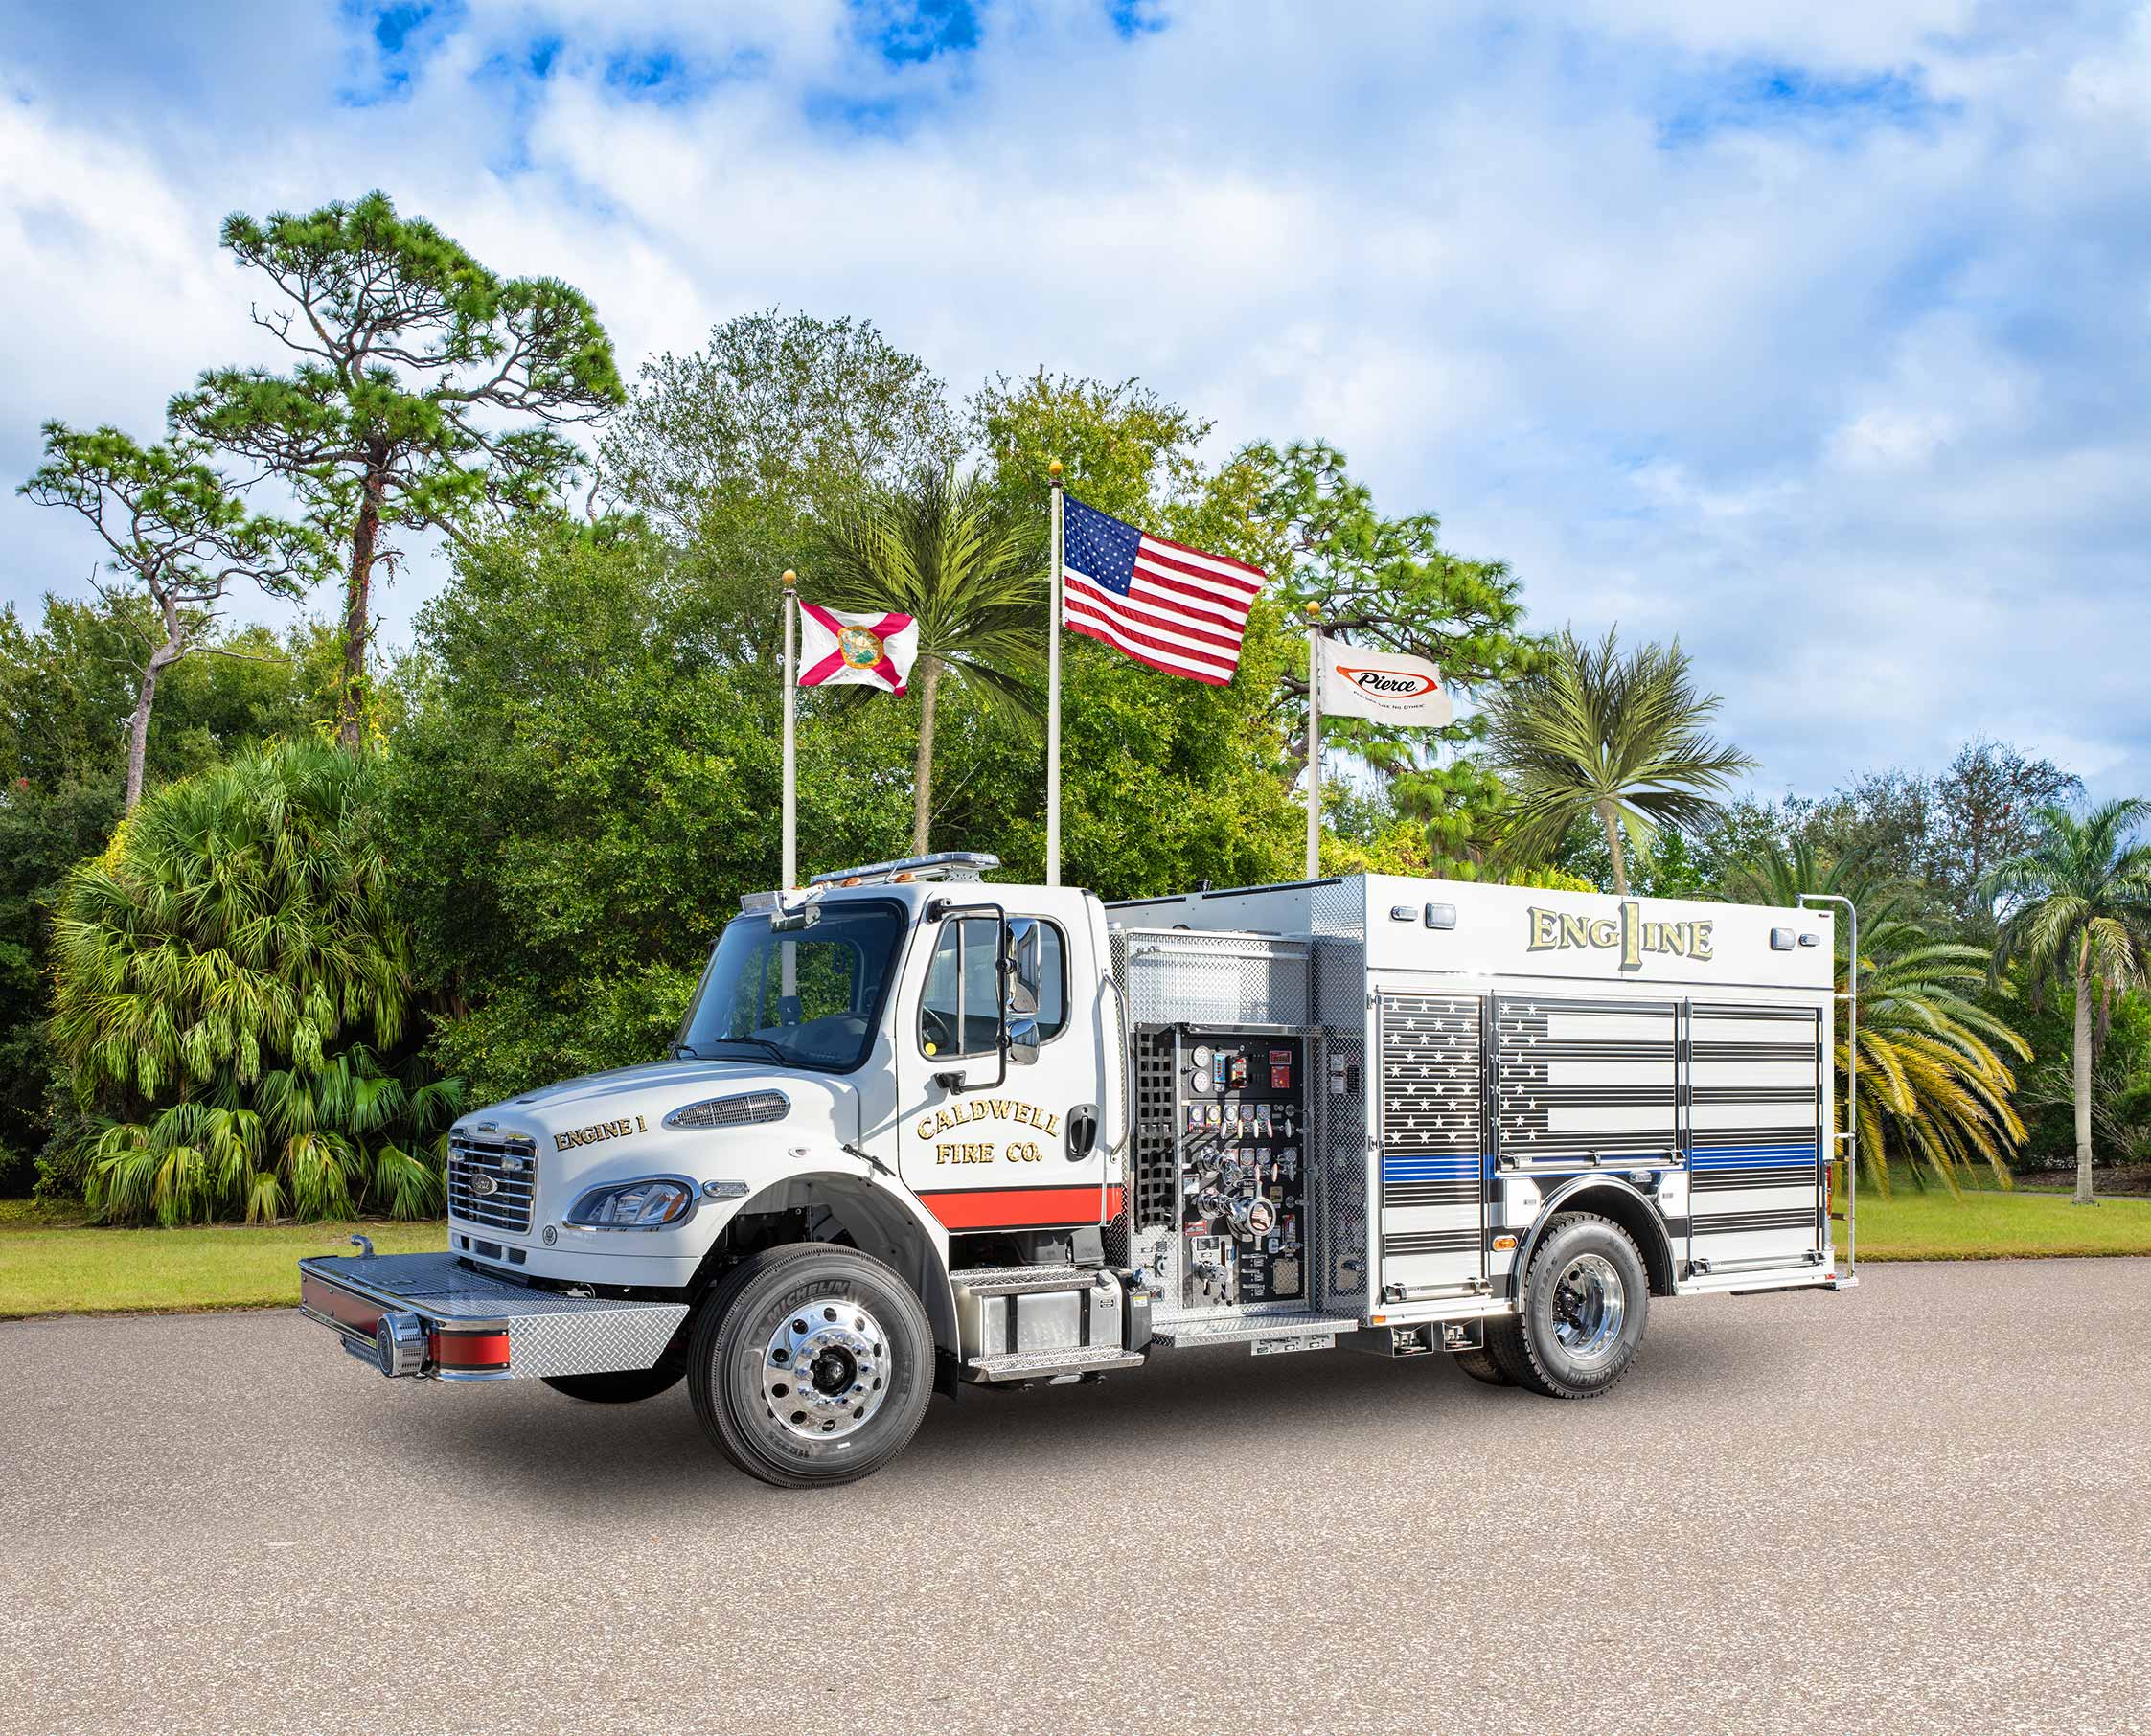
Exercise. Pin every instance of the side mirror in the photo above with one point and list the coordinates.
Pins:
(1019, 971)
(1021, 1043)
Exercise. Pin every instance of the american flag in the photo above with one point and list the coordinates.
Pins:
(1160, 603)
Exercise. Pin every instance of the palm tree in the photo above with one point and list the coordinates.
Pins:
(1622, 738)
(1934, 1091)
(2078, 908)
(216, 974)
(945, 552)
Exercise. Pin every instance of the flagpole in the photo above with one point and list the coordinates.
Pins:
(1314, 741)
(788, 969)
(1053, 696)
(789, 876)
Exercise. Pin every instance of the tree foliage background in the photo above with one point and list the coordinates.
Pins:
(575, 766)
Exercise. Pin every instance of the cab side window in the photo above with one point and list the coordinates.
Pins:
(960, 1012)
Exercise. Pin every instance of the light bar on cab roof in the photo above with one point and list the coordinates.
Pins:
(942, 865)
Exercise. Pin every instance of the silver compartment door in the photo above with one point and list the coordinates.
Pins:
(1433, 1144)
(1586, 1084)
(1754, 1116)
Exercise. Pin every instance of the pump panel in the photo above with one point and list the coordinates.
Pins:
(1241, 1113)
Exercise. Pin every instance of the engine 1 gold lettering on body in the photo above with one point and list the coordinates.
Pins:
(598, 1131)
(964, 1111)
(1557, 930)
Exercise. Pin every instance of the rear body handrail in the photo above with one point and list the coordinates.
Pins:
(1850, 1137)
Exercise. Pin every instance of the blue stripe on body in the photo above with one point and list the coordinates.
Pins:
(1428, 1169)
(1753, 1157)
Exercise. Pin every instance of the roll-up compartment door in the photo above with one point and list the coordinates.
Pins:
(1754, 1134)
(1580, 1083)
(1433, 1142)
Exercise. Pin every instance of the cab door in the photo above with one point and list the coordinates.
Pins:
(997, 1074)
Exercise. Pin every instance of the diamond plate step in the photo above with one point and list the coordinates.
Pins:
(1042, 1365)
(1022, 1280)
(1245, 1327)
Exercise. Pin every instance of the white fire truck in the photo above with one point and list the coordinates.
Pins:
(920, 1131)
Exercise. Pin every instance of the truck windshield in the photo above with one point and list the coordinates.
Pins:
(809, 998)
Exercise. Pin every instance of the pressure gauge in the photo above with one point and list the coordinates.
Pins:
(1202, 1055)
(1198, 1081)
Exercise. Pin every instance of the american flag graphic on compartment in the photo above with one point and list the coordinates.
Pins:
(1755, 1132)
(1579, 1080)
(1434, 1145)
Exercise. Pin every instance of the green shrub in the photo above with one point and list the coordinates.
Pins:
(232, 1001)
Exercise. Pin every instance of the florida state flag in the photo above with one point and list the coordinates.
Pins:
(838, 648)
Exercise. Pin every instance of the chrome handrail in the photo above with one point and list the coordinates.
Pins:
(1850, 1136)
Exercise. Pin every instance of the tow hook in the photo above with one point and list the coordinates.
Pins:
(365, 1246)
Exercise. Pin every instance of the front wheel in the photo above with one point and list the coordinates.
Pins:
(1586, 1297)
(810, 1366)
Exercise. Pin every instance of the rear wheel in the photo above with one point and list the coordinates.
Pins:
(623, 1387)
(1480, 1365)
(810, 1366)
(1586, 1298)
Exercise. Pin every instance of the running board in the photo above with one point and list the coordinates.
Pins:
(1748, 1281)
(1243, 1328)
(1063, 1364)
(1022, 1280)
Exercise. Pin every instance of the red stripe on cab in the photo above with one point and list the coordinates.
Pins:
(1022, 1207)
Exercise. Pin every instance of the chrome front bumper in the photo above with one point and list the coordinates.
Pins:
(430, 1315)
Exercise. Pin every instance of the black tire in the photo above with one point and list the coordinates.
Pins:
(1597, 1349)
(623, 1387)
(1482, 1366)
(881, 1354)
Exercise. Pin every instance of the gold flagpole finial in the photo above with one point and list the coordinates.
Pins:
(790, 577)
(1053, 468)
(1313, 612)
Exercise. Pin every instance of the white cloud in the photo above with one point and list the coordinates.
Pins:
(1815, 335)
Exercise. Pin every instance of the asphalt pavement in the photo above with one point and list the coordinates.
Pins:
(1921, 1506)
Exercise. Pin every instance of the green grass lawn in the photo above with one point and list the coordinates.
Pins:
(1985, 1223)
(51, 1263)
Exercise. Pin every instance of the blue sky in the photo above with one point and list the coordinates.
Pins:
(1819, 336)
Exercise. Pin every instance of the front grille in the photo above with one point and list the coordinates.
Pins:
(508, 1163)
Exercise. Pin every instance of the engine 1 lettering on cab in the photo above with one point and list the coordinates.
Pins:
(597, 1130)
(986, 1109)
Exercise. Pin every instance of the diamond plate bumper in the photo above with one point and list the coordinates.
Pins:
(480, 1327)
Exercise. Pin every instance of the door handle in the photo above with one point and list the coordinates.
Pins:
(1083, 1131)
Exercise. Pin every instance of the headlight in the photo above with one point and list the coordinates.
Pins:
(655, 1202)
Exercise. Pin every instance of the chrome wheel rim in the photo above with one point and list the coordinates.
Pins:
(825, 1370)
(1590, 1303)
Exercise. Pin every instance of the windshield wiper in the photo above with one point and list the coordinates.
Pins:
(760, 1043)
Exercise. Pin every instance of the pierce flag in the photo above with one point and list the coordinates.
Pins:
(1386, 687)
(839, 647)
